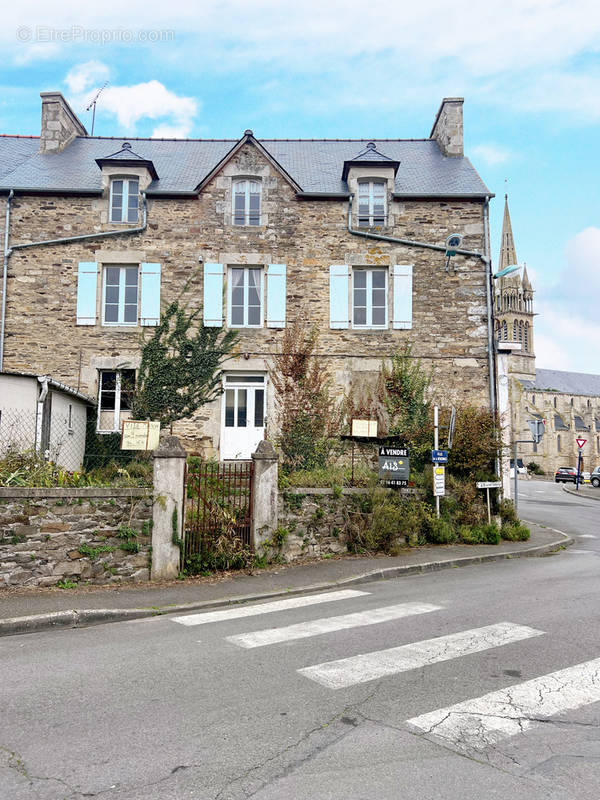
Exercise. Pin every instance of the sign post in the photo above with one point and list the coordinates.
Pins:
(580, 445)
(487, 485)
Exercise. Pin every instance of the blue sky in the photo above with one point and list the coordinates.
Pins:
(529, 71)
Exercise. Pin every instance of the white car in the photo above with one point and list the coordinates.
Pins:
(521, 468)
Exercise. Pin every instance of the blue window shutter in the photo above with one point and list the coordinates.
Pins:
(150, 294)
(339, 276)
(213, 295)
(87, 287)
(276, 296)
(403, 280)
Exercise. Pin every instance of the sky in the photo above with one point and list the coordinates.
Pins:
(529, 71)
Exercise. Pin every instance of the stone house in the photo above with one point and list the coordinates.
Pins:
(568, 402)
(347, 235)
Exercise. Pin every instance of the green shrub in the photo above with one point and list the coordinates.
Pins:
(469, 535)
(515, 532)
(487, 534)
(535, 468)
(440, 531)
(508, 514)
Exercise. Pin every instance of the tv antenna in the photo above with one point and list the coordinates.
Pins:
(92, 105)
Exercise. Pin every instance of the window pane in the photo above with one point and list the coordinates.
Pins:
(259, 408)
(254, 187)
(130, 312)
(360, 316)
(108, 385)
(237, 315)
(363, 188)
(241, 415)
(360, 279)
(127, 388)
(378, 279)
(131, 276)
(112, 276)
(112, 294)
(244, 379)
(360, 298)
(229, 407)
(378, 189)
(253, 315)
(117, 187)
(111, 313)
(378, 316)
(378, 298)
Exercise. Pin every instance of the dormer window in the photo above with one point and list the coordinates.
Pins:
(246, 202)
(124, 199)
(371, 204)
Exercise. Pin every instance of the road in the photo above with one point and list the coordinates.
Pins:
(476, 682)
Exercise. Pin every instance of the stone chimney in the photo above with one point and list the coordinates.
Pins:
(59, 123)
(448, 127)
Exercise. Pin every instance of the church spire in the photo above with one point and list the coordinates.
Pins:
(508, 253)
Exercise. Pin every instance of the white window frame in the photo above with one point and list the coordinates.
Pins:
(247, 193)
(117, 409)
(363, 222)
(124, 207)
(261, 284)
(368, 325)
(122, 285)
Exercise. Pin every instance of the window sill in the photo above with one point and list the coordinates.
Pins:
(124, 325)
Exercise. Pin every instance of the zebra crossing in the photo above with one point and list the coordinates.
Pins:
(475, 723)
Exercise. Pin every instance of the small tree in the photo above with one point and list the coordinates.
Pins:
(179, 371)
(305, 409)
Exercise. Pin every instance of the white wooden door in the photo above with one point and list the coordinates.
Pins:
(243, 415)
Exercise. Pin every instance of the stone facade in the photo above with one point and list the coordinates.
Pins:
(52, 535)
(307, 234)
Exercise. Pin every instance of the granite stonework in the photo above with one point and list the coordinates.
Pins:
(314, 522)
(43, 531)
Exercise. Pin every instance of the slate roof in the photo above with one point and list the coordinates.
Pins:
(315, 164)
(564, 382)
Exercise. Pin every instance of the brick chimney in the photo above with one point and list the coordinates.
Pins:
(59, 123)
(448, 127)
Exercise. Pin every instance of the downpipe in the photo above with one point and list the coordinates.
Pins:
(11, 194)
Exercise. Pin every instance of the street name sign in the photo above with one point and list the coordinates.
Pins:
(439, 456)
(488, 484)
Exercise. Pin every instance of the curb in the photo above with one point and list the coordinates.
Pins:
(81, 618)
(585, 496)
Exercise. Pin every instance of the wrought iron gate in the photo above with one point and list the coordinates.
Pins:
(218, 508)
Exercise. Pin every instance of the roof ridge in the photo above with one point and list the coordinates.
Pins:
(227, 139)
(18, 136)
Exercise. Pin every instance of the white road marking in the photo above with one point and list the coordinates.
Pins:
(488, 719)
(581, 552)
(303, 630)
(267, 608)
(587, 536)
(369, 666)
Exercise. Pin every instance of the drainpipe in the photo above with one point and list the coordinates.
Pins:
(39, 417)
(440, 248)
(4, 276)
(8, 251)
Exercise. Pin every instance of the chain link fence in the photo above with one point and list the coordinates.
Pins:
(70, 441)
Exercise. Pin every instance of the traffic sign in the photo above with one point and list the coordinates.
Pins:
(439, 456)
(580, 443)
(439, 481)
(488, 484)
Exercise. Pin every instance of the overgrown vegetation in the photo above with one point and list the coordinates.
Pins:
(307, 417)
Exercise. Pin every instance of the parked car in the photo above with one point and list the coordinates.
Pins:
(567, 475)
(595, 477)
(521, 468)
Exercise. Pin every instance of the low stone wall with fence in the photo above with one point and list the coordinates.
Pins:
(83, 535)
(314, 522)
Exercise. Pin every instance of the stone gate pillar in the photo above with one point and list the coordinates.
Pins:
(167, 512)
(264, 493)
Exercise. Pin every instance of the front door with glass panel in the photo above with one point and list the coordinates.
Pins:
(243, 415)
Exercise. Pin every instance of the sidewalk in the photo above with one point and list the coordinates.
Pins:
(26, 610)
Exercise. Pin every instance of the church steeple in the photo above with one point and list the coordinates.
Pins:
(508, 252)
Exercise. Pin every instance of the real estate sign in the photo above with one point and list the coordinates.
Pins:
(394, 466)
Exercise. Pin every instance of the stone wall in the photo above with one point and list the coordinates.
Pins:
(313, 522)
(55, 534)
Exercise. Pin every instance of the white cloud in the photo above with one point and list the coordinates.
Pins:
(36, 52)
(131, 104)
(83, 77)
(567, 330)
(492, 154)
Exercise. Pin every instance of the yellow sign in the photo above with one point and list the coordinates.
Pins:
(364, 427)
(139, 434)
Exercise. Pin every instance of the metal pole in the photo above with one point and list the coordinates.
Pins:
(435, 447)
(578, 471)
(516, 473)
(488, 507)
